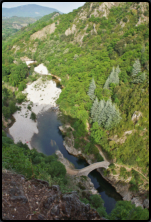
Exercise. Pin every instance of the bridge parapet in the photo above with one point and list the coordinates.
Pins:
(85, 171)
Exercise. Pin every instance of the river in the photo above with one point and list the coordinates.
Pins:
(49, 139)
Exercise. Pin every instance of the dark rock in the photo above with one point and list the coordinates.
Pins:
(55, 210)
(15, 191)
(12, 183)
(22, 198)
(56, 188)
(41, 217)
(49, 201)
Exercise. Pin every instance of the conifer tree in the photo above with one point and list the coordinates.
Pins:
(98, 110)
(136, 68)
(109, 116)
(137, 76)
(117, 71)
(92, 89)
(113, 78)
(94, 110)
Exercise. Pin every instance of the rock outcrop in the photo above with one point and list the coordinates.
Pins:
(136, 116)
(70, 31)
(146, 203)
(35, 200)
(42, 34)
(137, 202)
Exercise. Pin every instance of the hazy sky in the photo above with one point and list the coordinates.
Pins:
(64, 7)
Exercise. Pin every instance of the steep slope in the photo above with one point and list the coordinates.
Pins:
(36, 200)
(31, 10)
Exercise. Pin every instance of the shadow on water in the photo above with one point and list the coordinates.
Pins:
(49, 139)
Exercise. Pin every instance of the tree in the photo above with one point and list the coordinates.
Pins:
(33, 116)
(136, 68)
(94, 110)
(136, 74)
(125, 210)
(109, 116)
(6, 111)
(113, 77)
(92, 89)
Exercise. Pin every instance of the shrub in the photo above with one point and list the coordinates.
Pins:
(125, 19)
(56, 169)
(6, 111)
(29, 107)
(20, 97)
(12, 107)
(96, 201)
(33, 116)
(22, 86)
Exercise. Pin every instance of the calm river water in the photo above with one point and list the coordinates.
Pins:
(49, 139)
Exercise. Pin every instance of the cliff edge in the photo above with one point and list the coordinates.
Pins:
(34, 199)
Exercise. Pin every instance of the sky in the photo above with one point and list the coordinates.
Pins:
(64, 7)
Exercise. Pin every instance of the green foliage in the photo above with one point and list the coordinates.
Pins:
(94, 19)
(123, 172)
(6, 111)
(57, 169)
(109, 117)
(12, 107)
(33, 116)
(18, 73)
(22, 86)
(113, 78)
(94, 110)
(21, 159)
(97, 133)
(91, 89)
(20, 97)
(96, 202)
(137, 76)
(124, 210)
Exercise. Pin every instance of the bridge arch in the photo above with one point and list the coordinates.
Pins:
(86, 170)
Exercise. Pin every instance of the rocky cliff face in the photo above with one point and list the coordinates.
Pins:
(35, 200)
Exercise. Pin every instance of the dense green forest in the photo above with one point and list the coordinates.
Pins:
(105, 77)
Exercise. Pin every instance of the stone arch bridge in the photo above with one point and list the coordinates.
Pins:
(86, 170)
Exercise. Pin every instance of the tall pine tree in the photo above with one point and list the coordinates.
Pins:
(109, 117)
(137, 76)
(92, 89)
(136, 68)
(113, 78)
(94, 110)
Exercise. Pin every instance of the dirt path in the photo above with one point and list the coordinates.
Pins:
(130, 168)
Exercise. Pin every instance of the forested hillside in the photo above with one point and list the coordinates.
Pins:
(101, 53)
(13, 24)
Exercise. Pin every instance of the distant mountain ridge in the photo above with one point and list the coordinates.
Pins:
(32, 10)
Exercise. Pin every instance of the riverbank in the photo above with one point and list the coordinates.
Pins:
(86, 183)
(121, 186)
(41, 96)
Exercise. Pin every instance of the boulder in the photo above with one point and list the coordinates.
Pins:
(127, 197)
(137, 202)
(136, 116)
